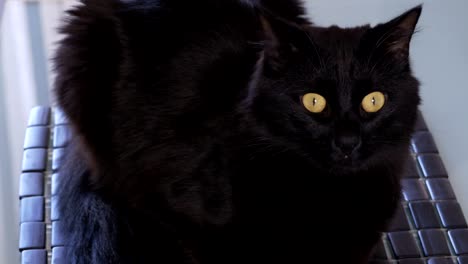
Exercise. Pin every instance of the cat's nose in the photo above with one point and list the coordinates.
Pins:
(347, 143)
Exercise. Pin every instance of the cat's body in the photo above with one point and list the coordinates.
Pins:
(192, 145)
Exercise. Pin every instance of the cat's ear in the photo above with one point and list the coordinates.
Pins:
(281, 40)
(395, 36)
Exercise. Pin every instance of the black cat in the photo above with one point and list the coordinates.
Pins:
(230, 131)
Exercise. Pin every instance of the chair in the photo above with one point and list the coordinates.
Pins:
(429, 226)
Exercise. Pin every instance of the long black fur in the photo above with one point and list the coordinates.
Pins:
(191, 143)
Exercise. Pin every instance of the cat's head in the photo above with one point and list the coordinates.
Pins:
(344, 97)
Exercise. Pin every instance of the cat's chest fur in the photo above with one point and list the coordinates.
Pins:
(266, 206)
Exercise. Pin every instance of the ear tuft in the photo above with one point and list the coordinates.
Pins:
(396, 34)
(406, 25)
(273, 50)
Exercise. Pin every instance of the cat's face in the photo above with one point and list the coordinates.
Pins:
(345, 98)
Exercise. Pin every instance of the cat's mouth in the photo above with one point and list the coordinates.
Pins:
(346, 162)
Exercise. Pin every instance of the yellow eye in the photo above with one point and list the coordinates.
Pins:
(314, 103)
(373, 102)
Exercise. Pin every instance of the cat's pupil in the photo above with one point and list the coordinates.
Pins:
(373, 100)
(314, 101)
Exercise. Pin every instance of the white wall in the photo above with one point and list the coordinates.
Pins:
(18, 94)
(440, 60)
